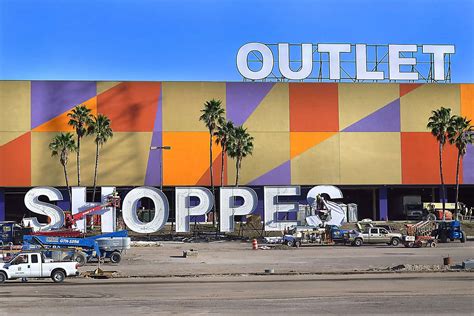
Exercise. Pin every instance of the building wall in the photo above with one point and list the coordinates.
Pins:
(305, 133)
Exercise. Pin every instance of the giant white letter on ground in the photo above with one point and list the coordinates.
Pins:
(55, 213)
(184, 210)
(228, 208)
(337, 214)
(273, 206)
(80, 204)
(129, 210)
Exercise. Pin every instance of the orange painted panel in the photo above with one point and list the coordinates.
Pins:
(302, 141)
(60, 123)
(15, 166)
(314, 107)
(205, 179)
(467, 101)
(131, 106)
(188, 159)
(420, 160)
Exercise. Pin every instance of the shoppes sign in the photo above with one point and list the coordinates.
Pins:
(366, 62)
(184, 210)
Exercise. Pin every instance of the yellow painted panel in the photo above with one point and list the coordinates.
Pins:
(318, 165)
(273, 113)
(123, 160)
(6, 137)
(370, 158)
(270, 151)
(416, 106)
(103, 86)
(15, 104)
(183, 102)
(467, 101)
(357, 101)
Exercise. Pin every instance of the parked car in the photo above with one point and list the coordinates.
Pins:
(374, 235)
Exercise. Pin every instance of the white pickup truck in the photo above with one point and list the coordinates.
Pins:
(35, 265)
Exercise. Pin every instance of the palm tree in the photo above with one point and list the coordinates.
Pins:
(240, 146)
(438, 123)
(61, 145)
(80, 118)
(101, 129)
(223, 135)
(212, 114)
(461, 134)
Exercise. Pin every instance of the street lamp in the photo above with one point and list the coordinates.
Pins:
(161, 148)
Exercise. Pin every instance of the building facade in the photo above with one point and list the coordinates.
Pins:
(355, 135)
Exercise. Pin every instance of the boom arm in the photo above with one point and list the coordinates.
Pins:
(112, 200)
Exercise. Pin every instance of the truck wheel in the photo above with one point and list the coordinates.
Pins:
(3, 277)
(298, 244)
(58, 276)
(463, 238)
(395, 242)
(115, 257)
(289, 243)
(410, 244)
(358, 242)
(433, 244)
(80, 258)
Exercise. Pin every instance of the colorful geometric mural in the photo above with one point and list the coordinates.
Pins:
(304, 133)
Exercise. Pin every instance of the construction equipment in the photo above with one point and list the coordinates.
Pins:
(12, 233)
(109, 245)
(449, 230)
(69, 229)
(420, 234)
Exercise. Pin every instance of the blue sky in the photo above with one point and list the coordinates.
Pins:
(199, 40)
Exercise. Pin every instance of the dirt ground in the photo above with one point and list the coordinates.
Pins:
(236, 257)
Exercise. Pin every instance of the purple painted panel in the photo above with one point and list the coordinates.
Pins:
(52, 98)
(468, 166)
(280, 175)
(243, 98)
(153, 176)
(386, 119)
(158, 126)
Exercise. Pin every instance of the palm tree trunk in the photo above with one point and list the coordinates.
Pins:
(443, 194)
(222, 167)
(67, 183)
(212, 180)
(237, 168)
(78, 161)
(95, 170)
(457, 184)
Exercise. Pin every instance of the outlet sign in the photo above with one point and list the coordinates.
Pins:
(398, 56)
(184, 210)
